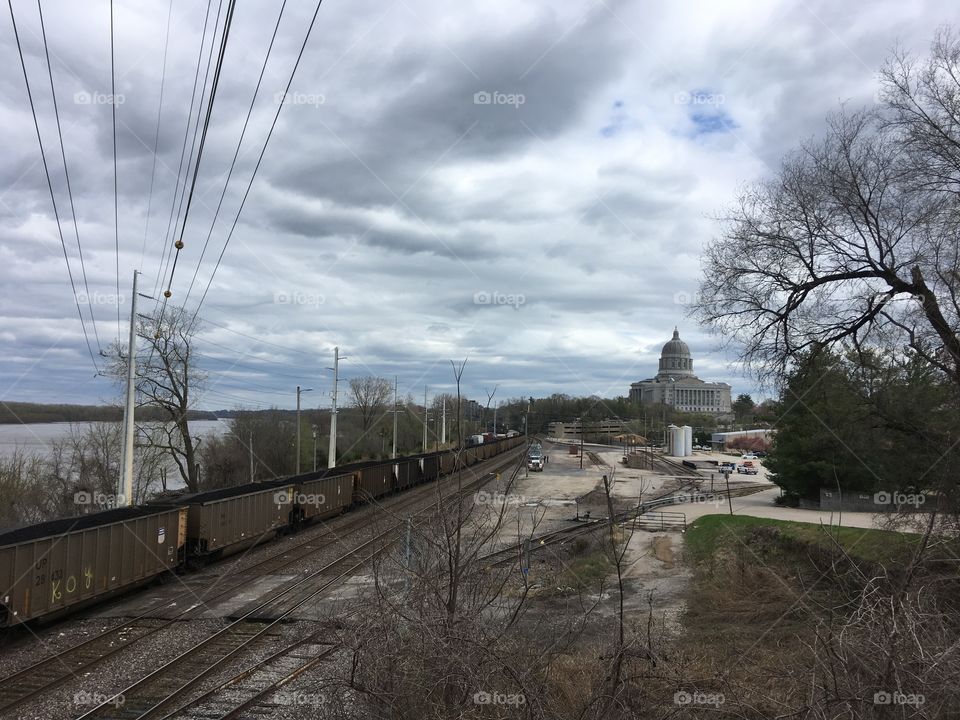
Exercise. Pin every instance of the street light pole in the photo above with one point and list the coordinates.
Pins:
(314, 448)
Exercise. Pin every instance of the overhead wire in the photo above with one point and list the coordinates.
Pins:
(156, 136)
(116, 202)
(66, 172)
(46, 171)
(161, 273)
(263, 151)
(236, 154)
(178, 245)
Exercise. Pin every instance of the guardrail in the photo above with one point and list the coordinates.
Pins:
(660, 521)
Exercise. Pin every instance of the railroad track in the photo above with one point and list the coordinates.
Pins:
(56, 669)
(149, 696)
(247, 691)
(563, 535)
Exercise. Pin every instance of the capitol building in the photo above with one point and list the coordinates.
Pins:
(676, 385)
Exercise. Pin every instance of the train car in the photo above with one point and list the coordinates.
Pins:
(371, 479)
(319, 496)
(407, 472)
(430, 467)
(448, 460)
(224, 521)
(56, 566)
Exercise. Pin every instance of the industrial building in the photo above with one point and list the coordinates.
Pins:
(593, 430)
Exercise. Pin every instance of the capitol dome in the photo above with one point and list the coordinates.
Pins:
(675, 358)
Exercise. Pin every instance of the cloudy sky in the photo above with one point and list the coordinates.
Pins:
(524, 184)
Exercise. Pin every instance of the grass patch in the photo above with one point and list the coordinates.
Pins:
(712, 533)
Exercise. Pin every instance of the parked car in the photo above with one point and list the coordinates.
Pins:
(760, 454)
(748, 456)
(535, 462)
(727, 467)
(747, 468)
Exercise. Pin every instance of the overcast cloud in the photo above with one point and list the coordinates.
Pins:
(528, 185)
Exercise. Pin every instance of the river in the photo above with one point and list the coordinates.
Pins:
(37, 438)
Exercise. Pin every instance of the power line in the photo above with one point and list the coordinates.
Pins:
(236, 154)
(224, 36)
(259, 340)
(164, 260)
(46, 171)
(263, 151)
(156, 137)
(66, 172)
(116, 205)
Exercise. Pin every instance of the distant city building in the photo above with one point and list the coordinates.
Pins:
(676, 385)
(593, 430)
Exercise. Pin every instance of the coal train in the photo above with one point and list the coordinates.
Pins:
(53, 567)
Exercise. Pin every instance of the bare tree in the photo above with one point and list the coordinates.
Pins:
(166, 379)
(370, 395)
(854, 241)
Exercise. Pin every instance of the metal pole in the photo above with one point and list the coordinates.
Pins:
(251, 456)
(443, 427)
(406, 554)
(298, 429)
(125, 494)
(332, 459)
(314, 448)
(581, 443)
(425, 418)
(394, 454)
(726, 477)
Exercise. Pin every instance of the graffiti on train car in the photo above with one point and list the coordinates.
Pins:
(59, 585)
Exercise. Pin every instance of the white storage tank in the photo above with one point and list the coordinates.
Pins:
(676, 441)
(687, 440)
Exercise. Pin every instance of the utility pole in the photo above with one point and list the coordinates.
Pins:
(314, 448)
(332, 457)
(424, 418)
(443, 427)
(394, 454)
(125, 488)
(251, 456)
(298, 423)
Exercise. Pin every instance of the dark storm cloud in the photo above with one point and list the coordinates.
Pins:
(433, 165)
